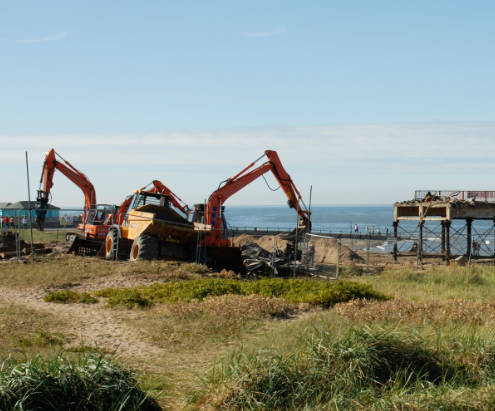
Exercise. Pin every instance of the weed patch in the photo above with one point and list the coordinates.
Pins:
(68, 297)
(42, 339)
(320, 293)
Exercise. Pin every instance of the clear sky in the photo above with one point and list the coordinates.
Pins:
(365, 100)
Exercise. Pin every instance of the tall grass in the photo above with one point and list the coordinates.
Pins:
(439, 283)
(321, 293)
(92, 382)
(367, 368)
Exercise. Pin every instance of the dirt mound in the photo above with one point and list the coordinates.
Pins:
(326, 251)
(266, 242)
(325, 248)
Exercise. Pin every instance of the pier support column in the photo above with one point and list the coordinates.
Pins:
(420, 245)
(469, 223)
(447, 240)
(396, 225)
(442, 249)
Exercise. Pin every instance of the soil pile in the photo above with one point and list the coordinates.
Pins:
(266, 242)
(326, 250)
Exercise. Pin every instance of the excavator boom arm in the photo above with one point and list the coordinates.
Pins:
(245, 177)
(79, 179)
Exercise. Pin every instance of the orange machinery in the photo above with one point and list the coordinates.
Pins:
(214, 210)
(46, 183)
(93, 226)
(99, 230)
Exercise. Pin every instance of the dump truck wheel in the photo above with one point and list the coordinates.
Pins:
(110, 242)
(144, 247)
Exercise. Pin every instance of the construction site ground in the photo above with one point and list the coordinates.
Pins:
(169, 354)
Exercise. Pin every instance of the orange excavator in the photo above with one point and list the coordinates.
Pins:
(46, 183)
(96, 223)
(214, 206)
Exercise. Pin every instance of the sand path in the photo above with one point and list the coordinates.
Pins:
(88, 324)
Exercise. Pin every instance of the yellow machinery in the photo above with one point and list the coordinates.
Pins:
(151, 229)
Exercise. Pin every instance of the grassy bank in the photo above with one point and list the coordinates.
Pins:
(218, 343)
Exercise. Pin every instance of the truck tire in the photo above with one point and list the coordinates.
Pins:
(110, 243)
(144, 247)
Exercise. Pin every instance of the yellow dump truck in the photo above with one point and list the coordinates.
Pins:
(152, 229)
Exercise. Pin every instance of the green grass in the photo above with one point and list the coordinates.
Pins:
(364, 368)
(42, 339)
(89, 382)
(320, 293)
(67, 297)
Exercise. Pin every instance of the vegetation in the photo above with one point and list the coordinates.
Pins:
(67, 297)
(321, 293)
(367, 368)
(221, 343)
(90, 382)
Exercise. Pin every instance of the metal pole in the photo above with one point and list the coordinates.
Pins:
(443, 241)
(295, 241)
(447, 240)
(395, 224)
(469, 222)
(420, 245)
(213, 228)
(368, 254)
(29, 207)
(309, 217)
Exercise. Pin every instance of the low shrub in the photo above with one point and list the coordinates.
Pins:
(321, 293)
(68, 297)
(91, 382)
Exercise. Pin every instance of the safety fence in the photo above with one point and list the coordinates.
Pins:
(267, 253)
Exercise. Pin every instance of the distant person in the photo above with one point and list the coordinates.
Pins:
(367, 230)
(373, 230)
(476, 248)
(12, 224)
(356, 229)
(24, 221)
(5, 222)
(386, 231)
(378, 230)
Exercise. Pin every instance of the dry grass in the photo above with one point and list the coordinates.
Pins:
(68, 269)
(425, 312)
(26, 330)
(215, 319)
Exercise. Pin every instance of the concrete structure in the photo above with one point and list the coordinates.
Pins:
(443, 211)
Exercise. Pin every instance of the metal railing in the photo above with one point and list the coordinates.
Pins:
(488, 196)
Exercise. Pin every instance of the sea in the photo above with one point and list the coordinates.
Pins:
(336, 219)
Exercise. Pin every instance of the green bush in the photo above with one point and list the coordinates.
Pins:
(322, 293)
(67, 297)
(90, 383)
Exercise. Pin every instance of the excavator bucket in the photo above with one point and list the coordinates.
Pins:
(85, 248)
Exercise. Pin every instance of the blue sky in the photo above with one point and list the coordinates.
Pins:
(190, 92)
